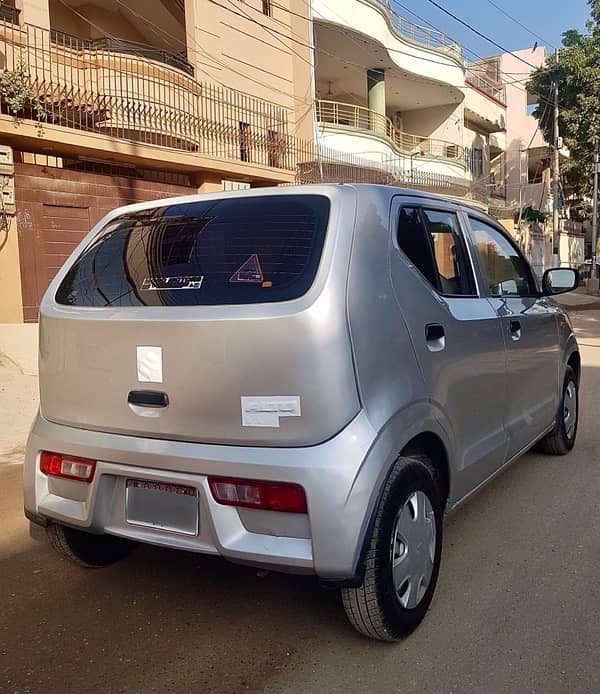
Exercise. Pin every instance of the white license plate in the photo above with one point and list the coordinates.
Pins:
(169, 507)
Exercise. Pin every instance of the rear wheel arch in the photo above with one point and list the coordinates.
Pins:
(574, 362)
(429, 447)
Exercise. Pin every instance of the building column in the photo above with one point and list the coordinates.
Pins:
(376, 98)
(35, 12)
(207, 182)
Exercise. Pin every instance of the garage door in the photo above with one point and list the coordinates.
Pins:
(56, 208)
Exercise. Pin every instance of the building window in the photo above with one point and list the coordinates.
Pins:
(9, 12)
(267, 8)
(245, 141)
(275, 149)
(475, 161)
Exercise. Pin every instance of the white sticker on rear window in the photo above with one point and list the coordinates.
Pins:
(149, 365)
(164, 284)
(265, 411)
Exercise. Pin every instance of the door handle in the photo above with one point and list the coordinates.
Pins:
(435, 337)
(515, 330)
(148, 398)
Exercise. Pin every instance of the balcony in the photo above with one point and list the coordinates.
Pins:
(348, 117)
(424, 36)
(109, 44)
(8, 12)
(370, 33)
(488, 88)
(104, 88)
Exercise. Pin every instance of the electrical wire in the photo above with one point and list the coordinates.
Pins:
(480, 34)
(432, 26)
(392, 50)
(523, 26)
(272, 33)
(216, 60)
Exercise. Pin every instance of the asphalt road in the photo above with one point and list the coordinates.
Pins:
(517, 607)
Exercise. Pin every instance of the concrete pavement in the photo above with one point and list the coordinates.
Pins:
(516, 609)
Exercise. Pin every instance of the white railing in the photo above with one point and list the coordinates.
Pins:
(425, 36)
(360, 118)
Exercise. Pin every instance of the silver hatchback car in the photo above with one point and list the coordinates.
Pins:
(300, 379)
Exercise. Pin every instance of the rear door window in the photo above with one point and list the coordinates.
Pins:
(432, 241)
(227, 251)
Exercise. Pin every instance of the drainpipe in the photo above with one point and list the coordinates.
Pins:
(313, 87)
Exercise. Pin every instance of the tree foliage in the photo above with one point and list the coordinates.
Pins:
(18, 94)
(579, 98)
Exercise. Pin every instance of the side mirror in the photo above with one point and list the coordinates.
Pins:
(560, 281)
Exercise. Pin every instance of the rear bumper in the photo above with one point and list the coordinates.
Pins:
(326, 541)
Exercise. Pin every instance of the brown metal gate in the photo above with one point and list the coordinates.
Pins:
(56, 208)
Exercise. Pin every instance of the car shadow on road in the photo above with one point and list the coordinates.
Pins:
(163, 617)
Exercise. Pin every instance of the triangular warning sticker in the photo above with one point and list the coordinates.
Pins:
(249, 272)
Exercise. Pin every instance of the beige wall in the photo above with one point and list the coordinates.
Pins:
(266, 57)
(11, 303)
(100, 22)
(440, 122)
(34, 12)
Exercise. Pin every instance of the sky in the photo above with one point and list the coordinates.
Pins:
(547, 18)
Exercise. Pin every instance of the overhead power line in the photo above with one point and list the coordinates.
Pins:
(481, 34)
(523, 26)
(397, 51)
(465, 47)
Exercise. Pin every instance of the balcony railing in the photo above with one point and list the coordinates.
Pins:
(8, 13)
(108, 44)
(432, 38)
(475, 80)
(137, 100)
(361, 118)
(133, 98)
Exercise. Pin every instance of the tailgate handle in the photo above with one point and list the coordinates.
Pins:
(148, 398)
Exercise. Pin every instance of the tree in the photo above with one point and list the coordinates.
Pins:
(579, 98)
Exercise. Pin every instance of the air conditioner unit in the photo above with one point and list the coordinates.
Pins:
(7, 164)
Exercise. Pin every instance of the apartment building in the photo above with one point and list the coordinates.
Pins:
(485, 129)
(106, 102)
(389, 93)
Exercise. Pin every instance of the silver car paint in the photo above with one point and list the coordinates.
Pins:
(213, 355)
(358, 357)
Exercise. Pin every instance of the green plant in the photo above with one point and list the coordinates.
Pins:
(18, 94)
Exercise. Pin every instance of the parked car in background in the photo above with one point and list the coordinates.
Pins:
(300, 379)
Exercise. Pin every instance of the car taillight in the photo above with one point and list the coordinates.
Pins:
(268, 496)
(67, 466)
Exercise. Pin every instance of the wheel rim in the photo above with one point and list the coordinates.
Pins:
(570, 409)
(413, 549)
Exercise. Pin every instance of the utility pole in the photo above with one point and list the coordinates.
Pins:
(556, 172)
(595, 213)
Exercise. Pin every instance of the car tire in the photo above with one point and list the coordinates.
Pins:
(385, 606)
(561, 439)
(85, 549)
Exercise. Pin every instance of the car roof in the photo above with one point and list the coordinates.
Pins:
(315, 188)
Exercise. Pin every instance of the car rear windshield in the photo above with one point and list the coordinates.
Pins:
(227, 251)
